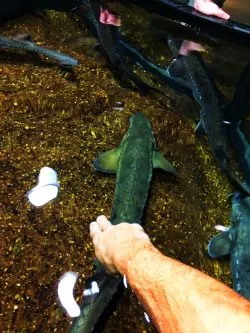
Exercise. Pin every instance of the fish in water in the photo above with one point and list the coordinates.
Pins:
(132, 161)
(162, 73)
(193, 72)
(235, 241)
(109, 38)
(235, 113)
(27, 45)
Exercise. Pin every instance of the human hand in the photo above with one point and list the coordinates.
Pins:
(107, 18)
(188, 46)
(115, 245)
(208, 7)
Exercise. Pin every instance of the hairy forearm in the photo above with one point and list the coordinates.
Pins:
(182, 299)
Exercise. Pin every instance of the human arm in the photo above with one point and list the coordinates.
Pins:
(177, 297)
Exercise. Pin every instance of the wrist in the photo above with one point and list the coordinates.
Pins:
(123, 259)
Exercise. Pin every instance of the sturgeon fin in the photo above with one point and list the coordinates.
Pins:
(108, 161)
(199, 129)
(220, 245)
(161, 162)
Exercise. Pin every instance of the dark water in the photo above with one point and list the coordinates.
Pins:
(49, 117)
(239, 11)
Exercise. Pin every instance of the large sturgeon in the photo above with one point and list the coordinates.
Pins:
(235, 241)
(26, 45)
(194, 74)
(133, 162)
(235, 113)
(109, 39)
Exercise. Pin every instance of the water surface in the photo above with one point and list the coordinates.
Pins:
(50, 117)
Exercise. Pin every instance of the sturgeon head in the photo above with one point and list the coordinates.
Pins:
(139, 128)
(236, 242)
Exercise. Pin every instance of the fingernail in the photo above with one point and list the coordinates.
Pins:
(101, 217)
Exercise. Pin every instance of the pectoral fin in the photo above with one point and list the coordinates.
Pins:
(161, 162)
(108, 161)
(220, 245)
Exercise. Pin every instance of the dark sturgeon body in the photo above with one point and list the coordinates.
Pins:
(133, 162)
(109, 41)
(62, 58)
(137, 157)
(212, 116)
(236, 243)
(235, 112)
(162, 73)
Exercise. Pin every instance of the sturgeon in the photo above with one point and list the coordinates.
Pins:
(133, 162)
(26, 45)
(212, 118)
(109, 39)
(235, 112)
(235, 241)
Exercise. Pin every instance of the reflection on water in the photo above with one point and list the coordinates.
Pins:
(51, 117)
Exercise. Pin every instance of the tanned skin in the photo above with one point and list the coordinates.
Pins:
(178, 298)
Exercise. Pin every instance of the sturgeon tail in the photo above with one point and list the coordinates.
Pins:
(96, 305)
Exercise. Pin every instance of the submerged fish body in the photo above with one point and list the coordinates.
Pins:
(109, 40)
(64, 59)
(134, 173)
(160, 72)
(235, 112)
(212, 117)
(133, 162)
(94, 306)
(137, 156)
(236, 243)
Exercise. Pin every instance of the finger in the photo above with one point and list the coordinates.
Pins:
(103, 16)
(94, 230)
(213, 9)
(222, 14)
(137, 226)
(103, 222)
(101, 217)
